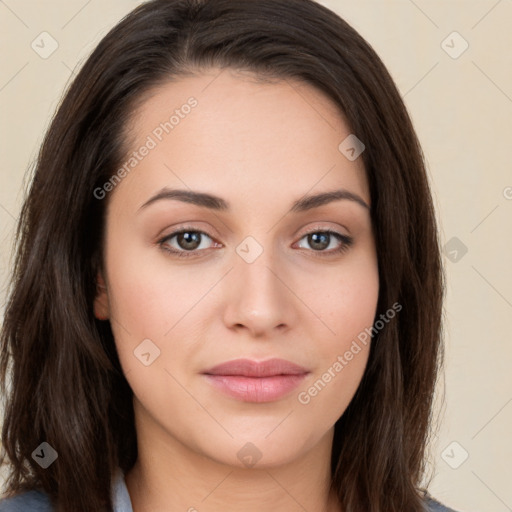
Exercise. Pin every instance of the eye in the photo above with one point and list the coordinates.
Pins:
(319, 240)
(188, 240)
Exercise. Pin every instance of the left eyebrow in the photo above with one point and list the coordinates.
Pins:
(317, 200)
(217, 203)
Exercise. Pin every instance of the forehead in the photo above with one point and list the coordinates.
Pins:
(224, 131)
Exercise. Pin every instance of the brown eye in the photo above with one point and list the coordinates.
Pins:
(186, 241)
(319, 241)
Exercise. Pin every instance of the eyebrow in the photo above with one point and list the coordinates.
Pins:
(217, 203)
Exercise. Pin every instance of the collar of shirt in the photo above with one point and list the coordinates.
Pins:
(120, 497)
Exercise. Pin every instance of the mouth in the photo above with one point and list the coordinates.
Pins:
(253, 381)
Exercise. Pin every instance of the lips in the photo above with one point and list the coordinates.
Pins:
(249, 368)
(253, 381)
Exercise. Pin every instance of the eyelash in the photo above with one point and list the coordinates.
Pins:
(347, 242)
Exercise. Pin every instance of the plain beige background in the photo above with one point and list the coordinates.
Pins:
(460, 100)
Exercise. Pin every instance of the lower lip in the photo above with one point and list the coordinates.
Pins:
(256, 389)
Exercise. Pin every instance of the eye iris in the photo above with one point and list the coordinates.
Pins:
(319, 240)
(188, 237)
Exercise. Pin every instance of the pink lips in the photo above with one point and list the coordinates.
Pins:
(252, 381)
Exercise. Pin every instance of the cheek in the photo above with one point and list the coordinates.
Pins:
(153, 299)
(348, 304)
(350, 307)
(148, 295)
(341, 361)
(325, 397)
(346, 300)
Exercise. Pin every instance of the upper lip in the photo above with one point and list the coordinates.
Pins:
(250, 368)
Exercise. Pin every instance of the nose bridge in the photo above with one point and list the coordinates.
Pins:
(256, 267)
(259, 298)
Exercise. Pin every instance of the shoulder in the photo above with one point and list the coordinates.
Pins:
(33, 501)
(36, 500)
(432, 505)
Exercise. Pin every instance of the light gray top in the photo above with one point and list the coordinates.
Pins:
(37, 501)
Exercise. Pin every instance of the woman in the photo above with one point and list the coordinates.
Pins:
(228, 288)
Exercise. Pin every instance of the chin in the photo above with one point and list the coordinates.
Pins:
(259, 449)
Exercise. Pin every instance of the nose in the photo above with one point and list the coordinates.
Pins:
(260, 297)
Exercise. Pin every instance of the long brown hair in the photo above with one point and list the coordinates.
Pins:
(59, 369)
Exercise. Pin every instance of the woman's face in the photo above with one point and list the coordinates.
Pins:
(258, 279)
